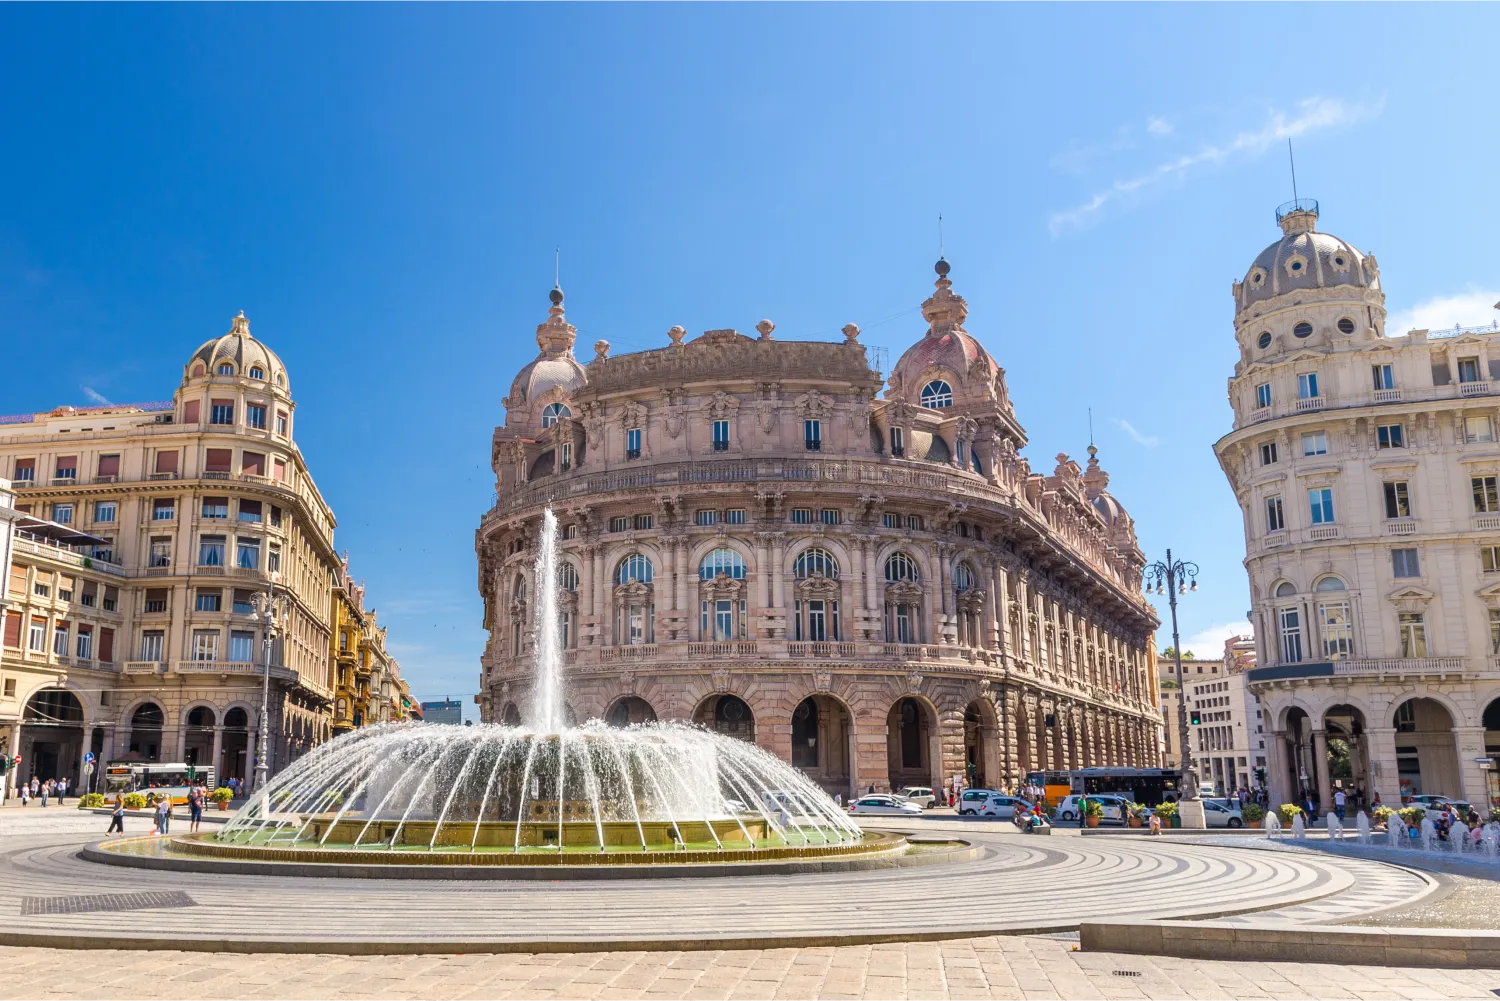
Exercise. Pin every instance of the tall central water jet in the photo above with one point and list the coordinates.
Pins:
(548, 634)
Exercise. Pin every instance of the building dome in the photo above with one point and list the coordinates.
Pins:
(249, 358)
(554, 367)
(1305, 259)
(945, 348)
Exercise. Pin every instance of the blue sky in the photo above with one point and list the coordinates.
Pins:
(381, 189)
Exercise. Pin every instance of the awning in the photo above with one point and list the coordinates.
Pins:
(51, 531)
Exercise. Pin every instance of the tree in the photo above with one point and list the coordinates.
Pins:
(1169, 653)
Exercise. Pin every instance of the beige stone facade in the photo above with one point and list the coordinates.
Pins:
(874, 586)
(1365, 464)
(143, 534)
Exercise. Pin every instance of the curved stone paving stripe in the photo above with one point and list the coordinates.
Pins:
(1021, 883)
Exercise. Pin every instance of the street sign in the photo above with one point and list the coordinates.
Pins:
(88, 757)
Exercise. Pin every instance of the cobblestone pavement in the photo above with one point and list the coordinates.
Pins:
(1001, 967)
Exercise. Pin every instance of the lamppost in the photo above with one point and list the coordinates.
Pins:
(1174, 578)
(269, 608)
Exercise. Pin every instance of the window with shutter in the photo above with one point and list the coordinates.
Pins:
(218, 460)
(166, 462)
(109, 465)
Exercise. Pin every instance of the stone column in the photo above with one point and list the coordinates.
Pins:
(601, 600)
(681, 599)
(218, 753)
(1469, 744)
(1002, 607)
(1023, 621)
(870, 765)
(1006, 708)
(1385, 779)
(1320, 766)
(872, 589)
(762, 573)
(586, 609)
(1033, 758)
(12, 748)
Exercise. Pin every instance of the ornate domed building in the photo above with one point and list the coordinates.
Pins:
(876, 587)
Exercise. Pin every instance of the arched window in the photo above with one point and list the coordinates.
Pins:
(1286, 589)
(1326, 584)
(937, 394)
(518, 592)
(722, 561)
(816, 561)
(226, 369)
(635, 568)
(899, 566)
(567, 577)
(1334, 623)
(256, 372)
(552, 412)
(963, 578)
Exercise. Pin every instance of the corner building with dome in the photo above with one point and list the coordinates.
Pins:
(873, 586)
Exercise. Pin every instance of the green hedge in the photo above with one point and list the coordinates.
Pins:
(90, 800)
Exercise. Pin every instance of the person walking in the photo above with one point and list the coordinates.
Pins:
(1339, 799)
(36, 786)
(62, 790)
(195, 808)
(117, 817)
(46, 791)
(163, 812)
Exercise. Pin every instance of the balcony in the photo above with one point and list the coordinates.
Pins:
(639, 651)
(1473, 389)
(1385, 667)
(216, 474)
(1318, 532)
(1401, 526)
(820, 650)
(69, 556)
(162, 476)
(1311, 403)
(1387, 396)
(1274, 539)
(723, 651)
(142, 667)
(1487, 522)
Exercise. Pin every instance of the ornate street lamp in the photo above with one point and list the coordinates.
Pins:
(1174, 578)
(270, 609)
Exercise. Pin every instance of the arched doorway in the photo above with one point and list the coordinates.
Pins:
(910, 731)
(146, 725)
(510, 716)
(198, 737)
(1491, 721)
(727, 714)
(1348, 753)
(52, 736)
(235, 760)
(981, 745)
(1426, 756)
(1302, 773)
(629, 710)
(822, 743)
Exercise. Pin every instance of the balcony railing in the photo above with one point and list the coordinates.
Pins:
(1400, 665)
(1368, 667)
(142, 667)
(1401, 526)
(1487, 522)
(1323, 532)
(720, 651)
(1473, 389)
(639, 651)
(69, 556)
(1387, 396)
(1311, 403)
(820, 650)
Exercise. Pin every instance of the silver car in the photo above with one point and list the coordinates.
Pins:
(885, 805)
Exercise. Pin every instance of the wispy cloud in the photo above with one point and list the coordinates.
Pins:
(95, 396)
(1208, 644)
(1467, 309)
(1312, 115)
(1148, 440)
(1158, 126)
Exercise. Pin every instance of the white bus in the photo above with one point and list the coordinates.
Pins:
(172, 778)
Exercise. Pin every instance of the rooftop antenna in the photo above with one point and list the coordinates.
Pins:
(940, 234)
(1091, 426)
(1293, 161)
(557, 267)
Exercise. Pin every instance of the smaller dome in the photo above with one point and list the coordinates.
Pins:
(242, 351)
(554, 367)
(946, 346)
(1306, 259)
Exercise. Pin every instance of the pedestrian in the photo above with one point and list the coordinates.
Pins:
(195, 808)
(46, 791)
(36, 786)
(1375, 801)
(25, 793)
(62, 790)
(163, 812)
(1339, 799)
(117, 817)
(872, 789)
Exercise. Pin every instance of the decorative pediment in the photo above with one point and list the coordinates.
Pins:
(903, 591)
(1410, 598)
(723, 405)
(1490, 594)
(634, 591)
(722, 587)
(817, 586)
(632, 415)
(813, 405)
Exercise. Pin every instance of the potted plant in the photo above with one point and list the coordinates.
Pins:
(1253, 814)
(221, 797)
(1135, 816)
(1287, 812)
(1381, 816)
(1168, 814)
(1093, 812)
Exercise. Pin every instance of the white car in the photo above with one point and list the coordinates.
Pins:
(1003, 806)
(920, 795)
(973, 800)
(1116, 808)
(885, 805)
(1222, 813)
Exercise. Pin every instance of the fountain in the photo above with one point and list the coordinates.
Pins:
(1272, 824)
(1458, 834)
(1362, 825)
(1299, 826)
(1490, 839)
(543, 793)
(1429, 835)
(1395, 831)
(1335, 826)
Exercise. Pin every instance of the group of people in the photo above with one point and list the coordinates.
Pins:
(1345, 802)
(160, 805)
(50, 789)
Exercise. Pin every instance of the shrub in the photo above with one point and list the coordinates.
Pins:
(1166, 811)
(1286, 812)
(223, 794)
(1381, 814)
(1412, 816)
(1093, 808)
(135, 801)
(90, 800)
(1253, 813)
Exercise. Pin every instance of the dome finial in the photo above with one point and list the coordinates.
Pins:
(942, 267)
(240, 325)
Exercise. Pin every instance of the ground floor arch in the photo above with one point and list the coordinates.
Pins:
(823, 743)
(981, 744)
(629, 710)
(52, 737)
(1426, 754)
(913, 752)
(727, 714)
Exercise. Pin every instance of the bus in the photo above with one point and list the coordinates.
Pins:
(172, 778)
(1148, 786)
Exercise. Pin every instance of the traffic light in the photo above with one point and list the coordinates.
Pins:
(1195, 718)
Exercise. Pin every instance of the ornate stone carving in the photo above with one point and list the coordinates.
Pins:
(823, 681)
(914, 681)
(677, 334)
(765, 327)
(601, 350)
(722, 587)
(632, 415)
(721, 679)
(813, 405)
(723, 406)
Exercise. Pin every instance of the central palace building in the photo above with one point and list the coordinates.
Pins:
(874, 586)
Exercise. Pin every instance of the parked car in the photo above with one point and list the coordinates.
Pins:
(1222, 813)
(923, 796)
(972, 800)
(1116, 807)
(885, 805)
(1435, 809)
(1003, 806)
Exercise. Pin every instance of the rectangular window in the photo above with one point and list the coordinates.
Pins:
(1321, 501)
(1263, 395)
(1404, 563)
(802, 516)
(104, 511)
(62, 514)
(241, 602)
(1468, 370)
(735, 516)
(1495, 631)
(898, 442)
(1307, 386)
(619, 524)
(1390, 436)
(1486, 496)
(67, 467)
(242, 647)
(247, 554)
(25, 471)
(85, 645)
(830, 515)
(163, 509)
(570, 532)
(250, 511)
(892, 521)
(255, 416)
(152, 645)
(1289, 621)
(1489, 559)
(60, 639)
(643, 521)
(633, 443)
(1383, 377)
(206, 644)
(1275, 517)
(222, 412)
(111, 597)
(211, 551)
(708, 517)
(209, 601)
(156, 601)
(565, 456)
(1315, 443)
(161, 553)
(36, 639)
(276, 519)
(1478, 429)
(281, 423)
(721, 436)
(253, 464)
(1397, 503)
(1413, 634)
(812, 435)
(273, 559)
(216, 507)
(1268, 453)
(914, 522)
